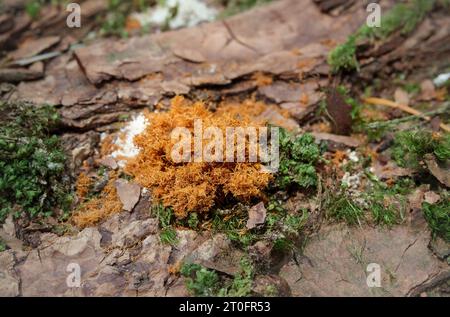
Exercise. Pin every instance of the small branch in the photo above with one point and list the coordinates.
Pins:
(404, 108)
(380, 124)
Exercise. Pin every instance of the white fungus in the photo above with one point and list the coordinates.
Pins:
(441, 79)
(125, 145)
(188, 13)
(353, 156)
(351, 181)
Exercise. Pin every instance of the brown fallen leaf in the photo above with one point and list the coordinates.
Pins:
(109, 162)
(441, 174)
(274, 117)
(390, 170)
(428, 91)
(340, 113)
(340, 139)
(431, 197)
(129, 193)
(401, 97)
(256, 215)
(37, 67)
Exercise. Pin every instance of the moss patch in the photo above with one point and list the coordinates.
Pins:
(403, 17)
(32, 162)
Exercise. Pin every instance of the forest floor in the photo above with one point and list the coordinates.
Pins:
(359, 205)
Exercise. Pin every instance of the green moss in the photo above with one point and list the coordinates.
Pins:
(115, 21)
(233, 224)
(233, 7)
(199, 280)
(410, 147)
(283, 228)
(380, 204)
(298, 156)
(242, 282)
(33, 8)
(403, 17)
(388, 204)
(32, 162)
(2, 245)
(165, 216)
(193, 220)
(438, 218)
(343, 57)
(343, 208)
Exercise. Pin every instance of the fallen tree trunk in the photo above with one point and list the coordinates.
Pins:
(283, 42)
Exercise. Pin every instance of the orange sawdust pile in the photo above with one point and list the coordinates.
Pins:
(91, 211)
(193, 186)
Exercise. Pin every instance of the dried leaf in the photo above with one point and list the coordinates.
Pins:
(401, 97)
(340, 113)
(428, 91)
(129, 194)
(256, 215)
(442, 174)
(431, 197)
(109, 162)
(339, 139)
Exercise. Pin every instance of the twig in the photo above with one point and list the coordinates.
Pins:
(392, 104)
(380, 124)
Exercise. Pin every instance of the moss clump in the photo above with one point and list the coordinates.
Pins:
(343, 208)
(403, 17)
(95, 207)
(2, 245)
(410, 147)
(165, 216)
(193, 186)
(343, 57)
(201, 281)
(387, 205)
(236, 6)
(298, 156)
(379, 204)
(116, 18)
(241, 285)
(232, 222)
(32, 162)
(438, 218)
(281, 228)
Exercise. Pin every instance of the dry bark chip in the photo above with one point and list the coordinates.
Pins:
(189, 55)
(34, 47)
